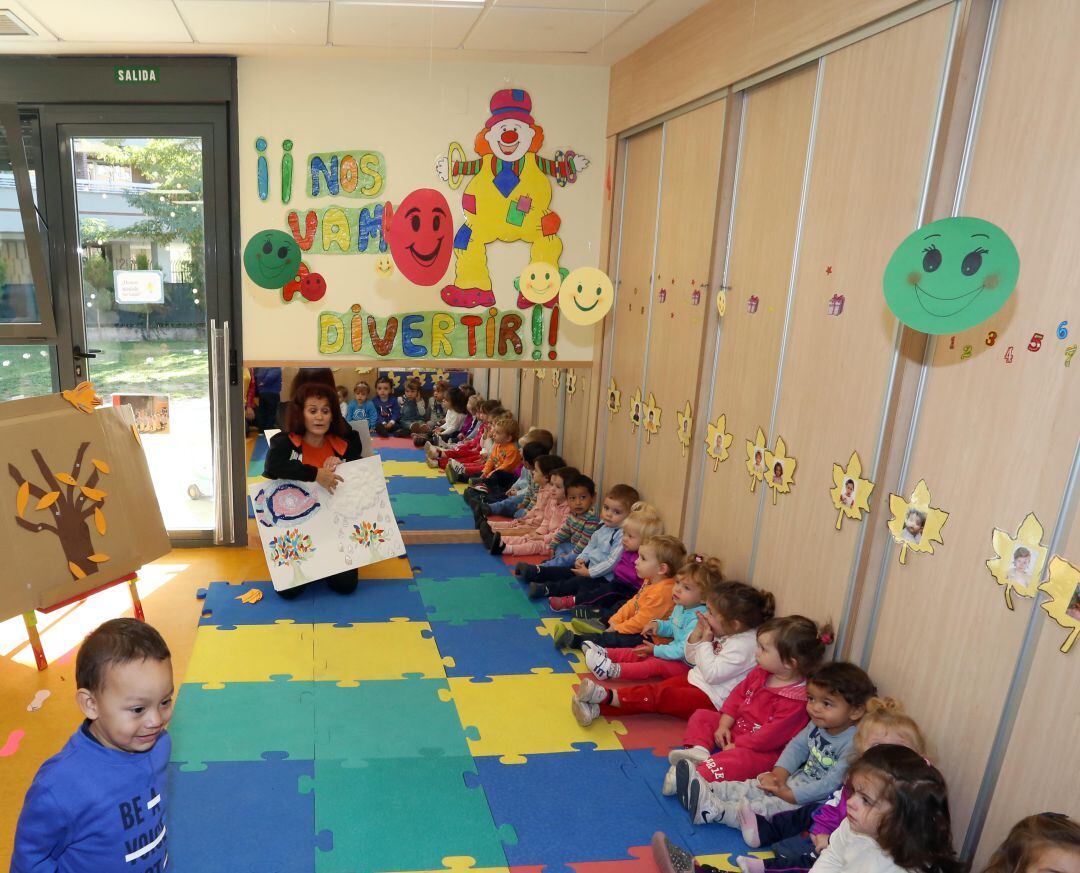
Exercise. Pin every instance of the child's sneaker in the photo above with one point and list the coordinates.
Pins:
(497, 545)
(561, 604)
(669, 857)
(585, 713)
(589, 692)
(537, 591)
(750, 865)
(694, 754)
(587, 626)
(528, 572)
(705, 807)
(562, 637)
(748, 826)
(668, 788)
(597, 660)
(588, 613)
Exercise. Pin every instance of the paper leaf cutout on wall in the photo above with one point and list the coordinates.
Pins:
(636, 411)
(556, 378)
(82, 397)
(1020, 559)
(755, 459)
(779, 469)
(614, 398)
(718, 441)
(1063, 588)
(684, 423)
(651, 415)
(571, 382)
(851, 496)
(540, 372)
(916, 525)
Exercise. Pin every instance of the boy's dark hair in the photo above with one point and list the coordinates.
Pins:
(385, 379)
(117, 642)
(542, 437)
(294, 416)
(1029, 837)
(582, 481)
(414, 385)
(548, 464)
(457, 399)
(531, 451)
(489, 406)
(567, 474)
(917, 833)
(467, 390)
(845, 679)
(737, 601)
(625, 494)
(798, 639)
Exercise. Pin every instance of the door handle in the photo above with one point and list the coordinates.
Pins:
(77, 352)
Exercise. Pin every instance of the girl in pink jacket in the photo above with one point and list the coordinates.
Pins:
(554, 514)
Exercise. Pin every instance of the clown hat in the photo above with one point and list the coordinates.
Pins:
(510, 103)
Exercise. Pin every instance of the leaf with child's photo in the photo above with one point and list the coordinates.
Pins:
(915, 524)
(851, 494)
(651, 414)
(1063, 588)
(684, 424)
(1018, 564)
(718, 441)
(755, 459)
(779, 469)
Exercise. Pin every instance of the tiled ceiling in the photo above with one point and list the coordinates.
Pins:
(552, 31)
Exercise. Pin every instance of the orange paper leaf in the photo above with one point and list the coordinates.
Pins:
(22, 497)
(98, 558)
(48, 500)
(99, 521)
(101, 465)
(76, 570)
(93, 493)
(66, 478)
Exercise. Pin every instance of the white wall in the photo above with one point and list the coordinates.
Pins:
(410, 112)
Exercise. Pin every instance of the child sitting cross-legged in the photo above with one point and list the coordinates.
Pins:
(813, 763)
(760, 717)
(661, 660)
(721, 651)
(582, 522)
(501, 454)
(658, 559)
(543, 468)
(528, 540)
(509, 488)
(785, 833)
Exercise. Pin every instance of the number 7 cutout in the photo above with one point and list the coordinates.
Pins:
(851, 496)
(915, 524)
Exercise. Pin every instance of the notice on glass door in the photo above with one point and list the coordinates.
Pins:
(139, 286)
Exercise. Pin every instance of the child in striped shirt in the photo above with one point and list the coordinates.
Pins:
(582, 522)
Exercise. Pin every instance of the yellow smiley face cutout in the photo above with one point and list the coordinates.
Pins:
(539, 282)
(586, 295)
(384, 266)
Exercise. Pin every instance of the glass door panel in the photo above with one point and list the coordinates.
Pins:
(140, 221)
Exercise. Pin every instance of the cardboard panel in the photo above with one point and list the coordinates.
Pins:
(77, 506)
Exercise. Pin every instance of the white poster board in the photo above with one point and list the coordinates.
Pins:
(308, 533)
(138, 286)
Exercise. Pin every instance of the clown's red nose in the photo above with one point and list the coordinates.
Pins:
(509, 136)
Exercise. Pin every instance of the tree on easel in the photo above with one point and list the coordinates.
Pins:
(70, 504)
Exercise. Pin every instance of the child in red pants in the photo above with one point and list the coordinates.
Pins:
(720, 650)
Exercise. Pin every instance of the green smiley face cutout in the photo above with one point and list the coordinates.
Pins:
(271, 258)
(951, 274)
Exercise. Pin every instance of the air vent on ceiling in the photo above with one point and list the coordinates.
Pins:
(10, 25)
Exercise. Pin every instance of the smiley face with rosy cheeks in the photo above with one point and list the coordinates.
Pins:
(421, 236)
(539, 283)
(271, 258)
(951, 274)
(586, 295)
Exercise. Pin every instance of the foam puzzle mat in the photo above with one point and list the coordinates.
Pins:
(421, 723)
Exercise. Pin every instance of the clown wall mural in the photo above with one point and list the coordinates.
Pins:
(508, 197)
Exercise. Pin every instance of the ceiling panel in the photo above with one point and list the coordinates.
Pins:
(256, 22)
(542, 30)
(405, 26)
(134, 21)
(595, 5)
(26, 17)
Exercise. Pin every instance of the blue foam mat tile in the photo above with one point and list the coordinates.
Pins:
(373, 600)
(223, 818)
(505, 647)
(260, 448)
(453, 560)
(423, 522)
(420, 485)
(390, 454)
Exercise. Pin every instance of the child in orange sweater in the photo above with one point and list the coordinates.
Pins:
(658, 559)
(526, 540)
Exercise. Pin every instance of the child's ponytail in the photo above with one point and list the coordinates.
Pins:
(703, 572)
(739, 602)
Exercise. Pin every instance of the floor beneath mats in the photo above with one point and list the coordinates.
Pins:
(420, 724)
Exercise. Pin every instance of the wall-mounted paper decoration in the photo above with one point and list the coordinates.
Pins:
(353, 173)
(556, 378)
(508, 198)
(755, 459)
(684, 424)
(614, 398)
(718, 441)
(779, 469)
(421, 236)
(539, 283)
(1020, 559)
(951, 274)
(271, 258)
(308, 533)
(384, 266)
(310, 286)
(540, 373)
(286, 170)
(586, 295)
(915, 524)
(636, 411)
(339, 230)
(721, 303)
(1069, 352)
(650, 417)
(262, 170)
(571, 383)
(752, 304)
(836, 304)
(1035, 343)
(1063, 588)
(851, 496)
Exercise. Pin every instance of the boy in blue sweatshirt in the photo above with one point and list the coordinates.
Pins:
(98, 805)
(387, 407)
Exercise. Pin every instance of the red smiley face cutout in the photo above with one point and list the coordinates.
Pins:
(422, 236)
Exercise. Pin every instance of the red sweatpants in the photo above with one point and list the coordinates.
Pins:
(674, 696)
(735, 765)
(633, 667)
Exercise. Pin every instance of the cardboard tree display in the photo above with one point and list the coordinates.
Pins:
(77, 505)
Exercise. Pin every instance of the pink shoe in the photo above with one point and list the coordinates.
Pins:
(467, 298)
(561, 604)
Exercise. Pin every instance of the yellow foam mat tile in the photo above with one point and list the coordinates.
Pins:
(414, 469)
(251, 653)
(382, 650)
(391, 568)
